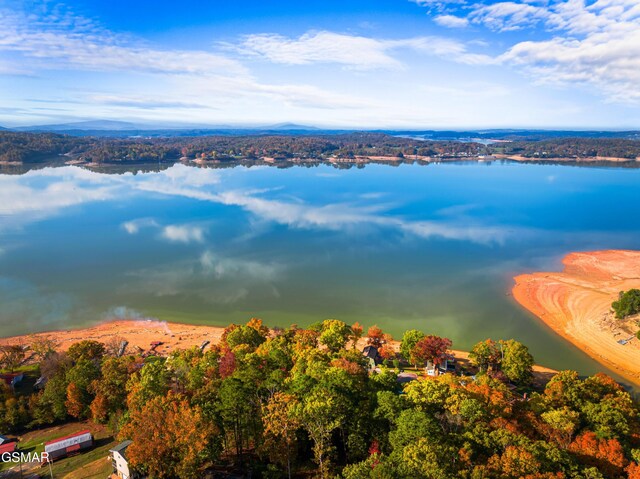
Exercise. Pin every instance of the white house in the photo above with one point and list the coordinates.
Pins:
(119, 461)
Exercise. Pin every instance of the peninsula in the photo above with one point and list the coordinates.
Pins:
(576, 304)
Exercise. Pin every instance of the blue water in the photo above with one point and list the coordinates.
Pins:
(431, 247)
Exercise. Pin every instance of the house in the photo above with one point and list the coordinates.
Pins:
(11, 379)
(119, 461)
(8, 446)
(63, 446)
(447, 365)
(373, 356)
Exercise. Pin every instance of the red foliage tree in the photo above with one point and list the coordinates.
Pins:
(227, 363)
(605, 454)
(430, 348)
(375, 336)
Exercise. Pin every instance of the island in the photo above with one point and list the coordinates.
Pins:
(577, 304)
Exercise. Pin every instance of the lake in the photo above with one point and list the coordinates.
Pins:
(432, 247)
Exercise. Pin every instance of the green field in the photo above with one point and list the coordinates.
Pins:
(89, 459)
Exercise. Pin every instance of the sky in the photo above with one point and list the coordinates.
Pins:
(414, 64)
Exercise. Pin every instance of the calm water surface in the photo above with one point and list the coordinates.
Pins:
(430, 247)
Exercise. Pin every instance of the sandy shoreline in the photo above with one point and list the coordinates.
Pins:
(141, 333)
(576, 304)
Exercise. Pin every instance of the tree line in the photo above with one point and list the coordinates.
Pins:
(35, 147)
(305, 402)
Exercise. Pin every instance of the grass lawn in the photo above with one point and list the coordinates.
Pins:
(94, 458)
(99, 469)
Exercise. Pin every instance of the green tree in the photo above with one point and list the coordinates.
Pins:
(628, 303)
(152, 381)
(86, 349)
(409, 339)
(485, 355)
(238, 412)
(517, 362)
(320, 417)
(334, 334)
(239, 335)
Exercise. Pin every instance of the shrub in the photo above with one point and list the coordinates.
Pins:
(628, 303)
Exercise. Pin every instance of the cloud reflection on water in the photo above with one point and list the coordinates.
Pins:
(43, 193)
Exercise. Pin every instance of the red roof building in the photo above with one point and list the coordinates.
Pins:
(66, 445)
(8, 447)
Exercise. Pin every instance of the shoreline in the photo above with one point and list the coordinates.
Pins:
(576, 304)
(176, 336)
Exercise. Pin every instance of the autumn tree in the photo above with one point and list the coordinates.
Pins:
(376, 337)
(79, 379)
(561, 425)
(356, 333)
(110, 389)
(430, 349)
(170, 438)
(606, 454)
(280, 426)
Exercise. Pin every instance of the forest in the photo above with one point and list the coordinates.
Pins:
(306, 402)
(22, 147)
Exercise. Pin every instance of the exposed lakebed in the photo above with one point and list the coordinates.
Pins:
(430, 247)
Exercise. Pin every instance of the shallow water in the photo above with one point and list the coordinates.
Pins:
(431, 247)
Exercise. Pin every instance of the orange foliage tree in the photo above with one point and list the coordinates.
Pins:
(605, 454)
(170, 438)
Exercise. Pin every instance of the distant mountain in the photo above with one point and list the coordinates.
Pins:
(86, 125)
(114, 128)
(289, 127)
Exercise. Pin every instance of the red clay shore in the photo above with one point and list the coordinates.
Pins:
(141, 333)
(576, 304)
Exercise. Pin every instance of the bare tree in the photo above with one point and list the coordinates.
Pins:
(12, 356)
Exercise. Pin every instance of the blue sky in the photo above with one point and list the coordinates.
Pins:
(350, 63)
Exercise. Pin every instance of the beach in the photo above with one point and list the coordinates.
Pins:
(576, 304)
(140, 334)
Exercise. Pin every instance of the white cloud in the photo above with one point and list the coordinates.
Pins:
(352, 51)
(183, 233)
(237, 268)
(451, 21)
(134, 226)
(505, 16)
(320, 47)
(72, 41)
(53, 38)
(601, 48)
(595, 44)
